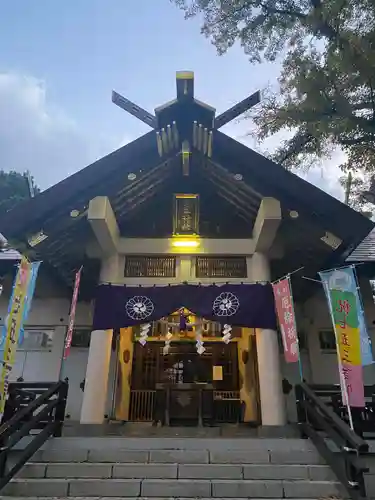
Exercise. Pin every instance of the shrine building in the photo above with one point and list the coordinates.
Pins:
(179, 235)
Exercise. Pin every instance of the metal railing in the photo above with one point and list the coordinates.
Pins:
(343, 450)
(38, 407)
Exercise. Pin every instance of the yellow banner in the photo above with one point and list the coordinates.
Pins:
(13, 324)
(349, 345)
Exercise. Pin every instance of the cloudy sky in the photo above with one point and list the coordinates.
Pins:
(59, 62)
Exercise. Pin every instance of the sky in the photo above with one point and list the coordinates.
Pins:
(60, 61)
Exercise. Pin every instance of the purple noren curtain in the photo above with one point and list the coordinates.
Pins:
(248, 305)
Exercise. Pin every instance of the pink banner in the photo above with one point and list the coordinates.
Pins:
(287, 321)
(72, 314)
(353, 378)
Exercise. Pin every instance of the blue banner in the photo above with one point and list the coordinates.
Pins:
(29, 297)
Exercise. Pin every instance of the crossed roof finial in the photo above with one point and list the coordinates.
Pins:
(185, 90)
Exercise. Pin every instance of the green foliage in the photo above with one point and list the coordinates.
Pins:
(325, 97)
(14, 187)
(354, 186)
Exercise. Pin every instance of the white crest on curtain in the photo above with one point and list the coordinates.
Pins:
(139, 307)
(225, 304)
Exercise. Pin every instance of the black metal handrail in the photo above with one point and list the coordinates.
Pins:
(30, 406)
(321, 424)
(363, 418)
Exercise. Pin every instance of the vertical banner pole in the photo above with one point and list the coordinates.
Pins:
(287, 321)
(34, 268)
(12, 327)
(344, 389)
(340, 287)
(72, 314)
(294, 314)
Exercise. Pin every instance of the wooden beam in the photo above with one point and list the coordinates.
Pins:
(231, 198)
(237, 110)
(134, 110)
(211, 174)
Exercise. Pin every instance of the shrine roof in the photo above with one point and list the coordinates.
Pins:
(141, 177)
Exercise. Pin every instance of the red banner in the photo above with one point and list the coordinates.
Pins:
(72, 314)
(287, 320)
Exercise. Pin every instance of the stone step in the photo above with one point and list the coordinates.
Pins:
(178, 443)
(202, 456)
(137, 498)
(165, 488)
(176, 471)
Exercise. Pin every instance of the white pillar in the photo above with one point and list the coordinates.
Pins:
(96, 381)
(272, 400)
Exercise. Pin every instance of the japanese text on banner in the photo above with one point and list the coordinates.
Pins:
(287, 321)
(13, 325)
(72, 314)
(340, 288)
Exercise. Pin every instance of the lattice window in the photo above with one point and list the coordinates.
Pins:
(221, 267)
(150, 267)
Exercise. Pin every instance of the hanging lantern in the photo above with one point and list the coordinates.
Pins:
(144, 330)
(227, 335)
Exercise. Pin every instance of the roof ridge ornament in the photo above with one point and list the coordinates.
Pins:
(185, 93)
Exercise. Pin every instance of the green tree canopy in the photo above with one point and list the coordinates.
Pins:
(326, 93)
(15, 187)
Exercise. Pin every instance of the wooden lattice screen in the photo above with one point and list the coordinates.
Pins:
(150, 267)
(221, 267)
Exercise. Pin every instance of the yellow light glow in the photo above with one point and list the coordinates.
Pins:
(185, 243)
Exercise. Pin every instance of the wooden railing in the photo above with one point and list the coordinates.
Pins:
(227, 406)
(30, 407)
(142, 405)
(343, 449)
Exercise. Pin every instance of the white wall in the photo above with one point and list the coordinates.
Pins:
(49, 311)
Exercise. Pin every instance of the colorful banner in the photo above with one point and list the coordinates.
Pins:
(72, 314)
(29, 297)
(13, 325)
(287, 321)
(366, 347)
(341, 289)
(4, 329)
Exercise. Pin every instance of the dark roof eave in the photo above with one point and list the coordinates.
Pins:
(16, 223)
(270, 179)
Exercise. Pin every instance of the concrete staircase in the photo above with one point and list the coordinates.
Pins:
(176, 468)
